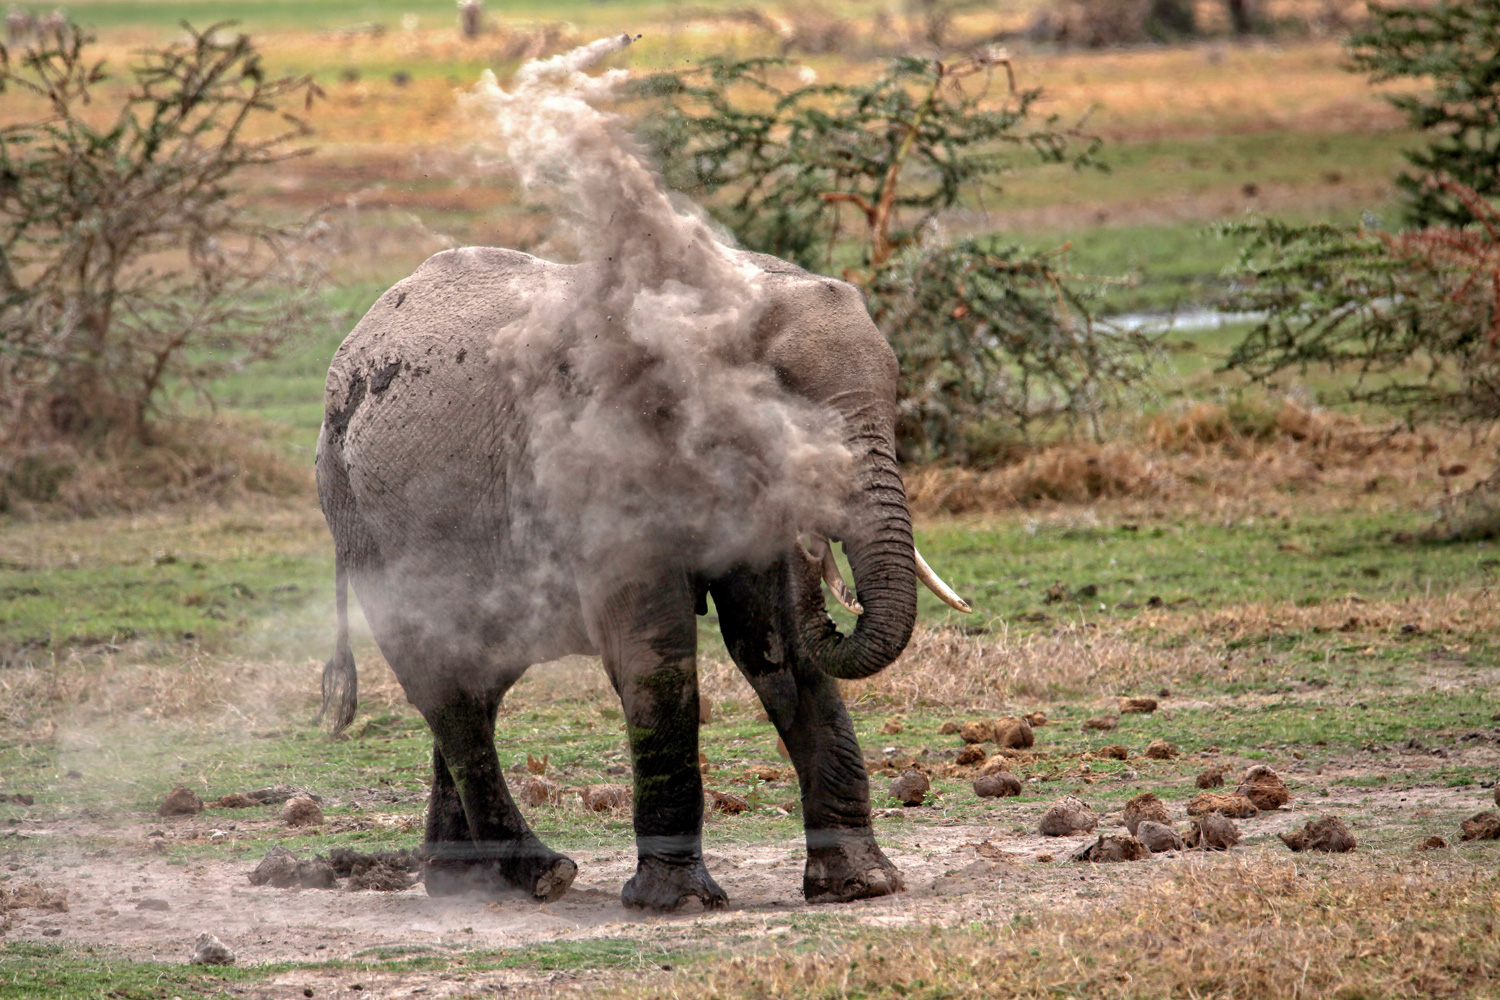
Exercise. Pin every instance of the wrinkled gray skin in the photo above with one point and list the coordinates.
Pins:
(467, 579)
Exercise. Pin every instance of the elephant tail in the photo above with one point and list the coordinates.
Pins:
(340, 676)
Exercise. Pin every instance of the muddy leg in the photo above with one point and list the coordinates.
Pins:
(843, 860)
(476, 837)
(648, 638)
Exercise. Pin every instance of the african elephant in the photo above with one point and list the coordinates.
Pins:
(468, 576)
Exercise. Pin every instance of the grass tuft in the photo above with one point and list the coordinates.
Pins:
(1209, 933)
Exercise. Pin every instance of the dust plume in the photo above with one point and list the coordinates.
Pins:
(663, 426)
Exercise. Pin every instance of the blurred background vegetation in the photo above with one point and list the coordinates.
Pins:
(1071, 217)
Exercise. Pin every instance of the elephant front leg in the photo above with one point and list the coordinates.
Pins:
(649, 643)
(843, 860)
(476, 837)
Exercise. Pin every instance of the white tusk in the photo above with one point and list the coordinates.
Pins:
(938, 587)
(818, 550)
(835, 581)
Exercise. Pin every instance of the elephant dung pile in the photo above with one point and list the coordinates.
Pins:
(384, 871)
(1327, 834)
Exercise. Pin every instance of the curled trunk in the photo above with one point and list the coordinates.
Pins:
(878, 542)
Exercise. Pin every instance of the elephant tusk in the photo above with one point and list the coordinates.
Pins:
(935, 584)
(821, 552)
(836, 584)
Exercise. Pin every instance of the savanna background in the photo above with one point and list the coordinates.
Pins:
(1280, 532)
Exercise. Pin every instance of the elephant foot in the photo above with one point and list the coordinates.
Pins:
(850, 870)
(530, 867)
(661, 886)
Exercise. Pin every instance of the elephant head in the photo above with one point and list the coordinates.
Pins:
(825, 348)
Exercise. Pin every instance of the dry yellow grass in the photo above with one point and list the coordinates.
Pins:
(1141, 93)
(1249, 928)
(1206, 457)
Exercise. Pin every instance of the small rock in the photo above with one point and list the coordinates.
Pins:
(1103, 723)
(277, 869)
(1482, 826)
(1113, 847)
(971, 753)
(1213, 832)
(153, 903)
(1432, 844)
(604, 798)
(301, 810)
(535, 790)
(1012, 732)
(1160, 750)
(1001, 784)
(893, 727)
(234, 800)
(949, 728)
(180, 801)
(1066, 817)
(1328, 834)
(209, 950)
(1113, 751)
(1137, 706)
(1036, 718)
(1264, 787)
(1158, 837)
(724, 802)
(977, 731)
(1232, 805)
(1145, 806)
(1212, 778)
(911, 788)
(217, 836)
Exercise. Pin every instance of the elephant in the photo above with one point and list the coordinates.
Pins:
(468, 576)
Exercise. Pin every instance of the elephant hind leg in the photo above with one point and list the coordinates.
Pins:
(476, 837)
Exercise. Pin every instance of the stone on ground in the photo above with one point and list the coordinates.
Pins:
(1068, 816)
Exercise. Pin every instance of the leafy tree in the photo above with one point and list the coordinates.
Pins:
(127, 263)
(1416, 314)
(1457, 47)
(854, 177)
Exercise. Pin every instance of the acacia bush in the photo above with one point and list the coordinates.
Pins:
(854, 180)
(1415, 314)
(129, 265)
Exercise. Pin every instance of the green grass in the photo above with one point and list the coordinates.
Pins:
(1005, 568)
(34, 971)
(31, 971)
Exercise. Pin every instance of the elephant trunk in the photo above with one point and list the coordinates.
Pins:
(878, 541)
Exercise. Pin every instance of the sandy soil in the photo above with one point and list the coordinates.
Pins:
(124, 896)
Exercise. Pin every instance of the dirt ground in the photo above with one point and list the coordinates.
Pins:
(124, 896)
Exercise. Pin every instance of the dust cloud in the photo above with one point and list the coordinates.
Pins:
(663, 427)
